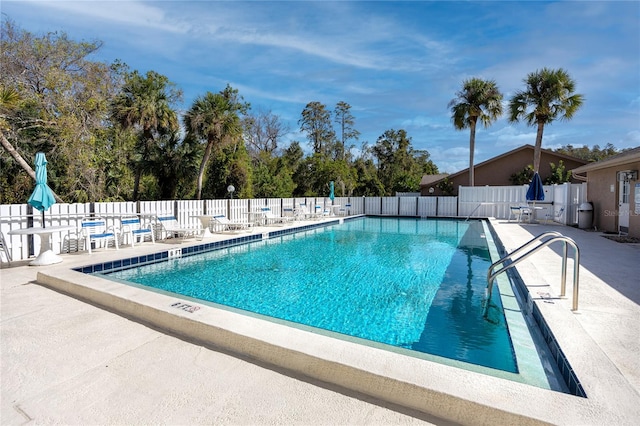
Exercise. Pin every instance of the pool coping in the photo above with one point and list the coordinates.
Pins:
(444, 391)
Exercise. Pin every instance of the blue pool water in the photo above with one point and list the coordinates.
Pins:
(411, 283)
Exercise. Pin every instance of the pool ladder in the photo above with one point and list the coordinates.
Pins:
(554, 236)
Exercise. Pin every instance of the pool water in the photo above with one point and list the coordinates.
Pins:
(412, 283)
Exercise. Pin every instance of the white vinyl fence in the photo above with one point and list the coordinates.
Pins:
(560, 201)
(471, 202)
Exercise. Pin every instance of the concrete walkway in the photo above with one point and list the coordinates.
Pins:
(609, 297)
(64, 361)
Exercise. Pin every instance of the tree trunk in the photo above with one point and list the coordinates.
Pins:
(472, 148)
(16, 156)
(136, 183)
(537, 151)
(205, 159)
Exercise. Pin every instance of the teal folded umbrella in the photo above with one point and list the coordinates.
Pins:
(42, 197)
(331, 191)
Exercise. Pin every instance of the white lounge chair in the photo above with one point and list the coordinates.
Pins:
(226, 225)
(173, 228)
(132, 226)
(272, 219)
(95, 230)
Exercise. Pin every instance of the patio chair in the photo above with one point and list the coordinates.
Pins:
(4, 249)
(345, 210)
(518, 212)
(322, 212)
(94, 230)
(174, 229)
(289, 213)
(131, 225)
(302, 212)
(554, 215)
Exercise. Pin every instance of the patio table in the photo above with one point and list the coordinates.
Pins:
(46, 255)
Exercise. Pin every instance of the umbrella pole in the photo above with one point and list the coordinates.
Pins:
(43, 219)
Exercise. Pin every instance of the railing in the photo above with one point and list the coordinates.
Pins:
(555, 236)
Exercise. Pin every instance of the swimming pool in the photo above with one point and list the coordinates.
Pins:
(411, 283)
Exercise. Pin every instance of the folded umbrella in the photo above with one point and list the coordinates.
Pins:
(42, 197)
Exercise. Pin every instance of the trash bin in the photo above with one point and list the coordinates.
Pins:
(585, 215)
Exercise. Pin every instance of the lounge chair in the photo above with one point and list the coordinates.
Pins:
(226, 225)
(132, 226)
(95, 230)
(272, 219)
(173, 228)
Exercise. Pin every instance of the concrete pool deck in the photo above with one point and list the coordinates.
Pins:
(66, 361)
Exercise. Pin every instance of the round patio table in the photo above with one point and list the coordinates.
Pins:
(46, 255)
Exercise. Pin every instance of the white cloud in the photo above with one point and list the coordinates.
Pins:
(139, 14)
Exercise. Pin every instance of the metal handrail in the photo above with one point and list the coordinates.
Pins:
(556, 236)
(522, 248)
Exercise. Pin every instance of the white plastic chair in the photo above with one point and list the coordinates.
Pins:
(303, 212)
(345, 210)
(95, 230)
(554, 215)
(518, 212)
(132, 226)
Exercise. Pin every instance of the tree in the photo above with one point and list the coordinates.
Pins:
(145, 105)
(345, 120)
(316, 123)
(400, 167)
(478, 100)
(559, 174)
(589, 154)
(229, 165)
(54, 100)
(549, 95)
(215, 118)
(262, 133)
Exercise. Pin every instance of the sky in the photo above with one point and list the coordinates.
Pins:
(398, 64)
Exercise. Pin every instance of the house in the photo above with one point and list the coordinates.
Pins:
(613, 189)
(497, 171)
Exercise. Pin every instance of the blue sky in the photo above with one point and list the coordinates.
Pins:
(398, 64)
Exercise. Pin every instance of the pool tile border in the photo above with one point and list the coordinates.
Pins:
(134, 262)
(568, 374)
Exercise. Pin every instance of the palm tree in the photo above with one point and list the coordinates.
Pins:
(549, 95)
(478, 100)
(145, 105)
(215, 119)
